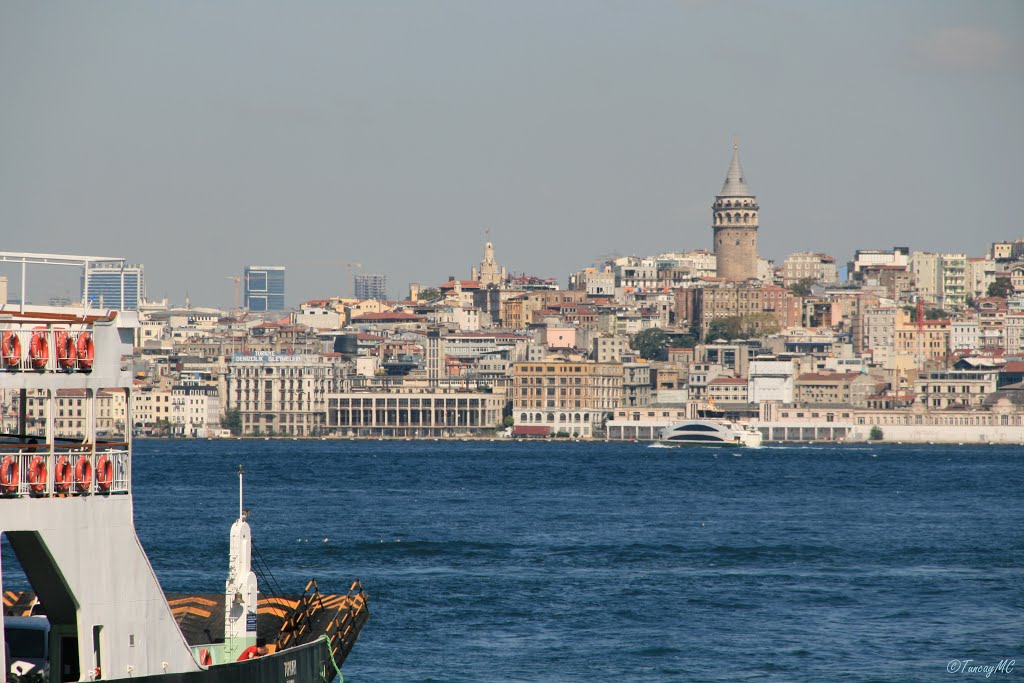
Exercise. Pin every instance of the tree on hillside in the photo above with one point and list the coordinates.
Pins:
(429, 294)
(802, 287)
(1000, 288)
(750, 326)
(232, 421)
(650, 343)
(727, 328)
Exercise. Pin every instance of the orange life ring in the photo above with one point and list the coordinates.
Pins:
(11, 349)
(248, 653)
(38, 350)
(66, 351)
(9, 474)
(104, 473)
(85, 349)
(62, 475)
(83, 474)
(37, 474)
(204, 657)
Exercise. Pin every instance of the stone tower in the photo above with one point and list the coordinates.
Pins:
(489, 273)
(735, 223)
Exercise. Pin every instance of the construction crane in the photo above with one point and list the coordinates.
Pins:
(920, 331)
(348, 266)
(238, 280)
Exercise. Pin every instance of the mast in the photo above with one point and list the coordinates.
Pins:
(240, 590)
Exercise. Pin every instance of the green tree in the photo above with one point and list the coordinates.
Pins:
(755, 325)
(508, 421)
(232, 421)
(429, 294)
(650, 343)
(802, 287)
(685, 340)
(876, 433)
(1000, 288)
(727, 328)
(750, 326)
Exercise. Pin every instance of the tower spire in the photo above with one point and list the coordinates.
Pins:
(735, 185)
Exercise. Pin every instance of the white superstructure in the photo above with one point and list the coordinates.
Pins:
(66, 505)
(711, 432)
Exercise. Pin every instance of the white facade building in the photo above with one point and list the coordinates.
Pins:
(771, 380)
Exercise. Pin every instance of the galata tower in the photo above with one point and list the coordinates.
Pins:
(735, 223)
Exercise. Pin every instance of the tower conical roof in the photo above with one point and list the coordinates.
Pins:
(734, 185)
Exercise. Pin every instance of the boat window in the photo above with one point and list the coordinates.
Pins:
(696, 437)
(695, 428)
(25, 643)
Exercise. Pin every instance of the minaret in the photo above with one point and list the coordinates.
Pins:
(735, 224)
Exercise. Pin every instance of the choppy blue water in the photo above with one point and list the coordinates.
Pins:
(492, 561)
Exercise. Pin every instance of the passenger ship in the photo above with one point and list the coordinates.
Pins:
(66, 511)
(710, 432)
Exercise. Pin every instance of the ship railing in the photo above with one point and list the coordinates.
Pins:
(26, 479)
(19, 354)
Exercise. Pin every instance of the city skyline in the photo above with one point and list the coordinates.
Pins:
(397, 137)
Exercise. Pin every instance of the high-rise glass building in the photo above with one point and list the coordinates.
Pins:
(104, 282)
(264, 288)
(371, 286)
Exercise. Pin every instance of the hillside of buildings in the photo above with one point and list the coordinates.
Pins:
(908, 346)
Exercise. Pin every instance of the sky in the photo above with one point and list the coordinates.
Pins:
(199, 137)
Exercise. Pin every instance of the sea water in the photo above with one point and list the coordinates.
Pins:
(505, 561)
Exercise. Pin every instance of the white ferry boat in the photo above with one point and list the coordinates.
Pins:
(710, 432)
(66, 511)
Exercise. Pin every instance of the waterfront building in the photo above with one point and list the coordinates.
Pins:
(735, 221)
(565, 394)
(151, 410)
(414, 413)
(114, 285)
(195, 410)
(371, 286)
(955, 388)
(111, 412)
(264, 288)
(636, 384)
(280, 394)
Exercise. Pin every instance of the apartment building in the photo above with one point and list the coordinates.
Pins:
(941, 278)
(841, 388)
(809, 266)
(727, 390)
(955, 388)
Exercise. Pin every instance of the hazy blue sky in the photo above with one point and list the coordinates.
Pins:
(198, 137)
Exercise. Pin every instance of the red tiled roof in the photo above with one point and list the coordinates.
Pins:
(394, 316)
(465, 284)
(828, 376)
